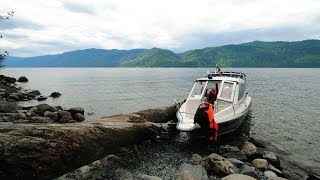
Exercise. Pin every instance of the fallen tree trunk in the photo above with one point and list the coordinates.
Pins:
(45, 151)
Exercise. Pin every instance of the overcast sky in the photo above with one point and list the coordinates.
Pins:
(41, 27)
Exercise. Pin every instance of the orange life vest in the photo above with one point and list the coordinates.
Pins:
(213, 125)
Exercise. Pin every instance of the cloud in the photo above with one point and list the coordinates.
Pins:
(13, 23)
(78, 8)
(56, 26)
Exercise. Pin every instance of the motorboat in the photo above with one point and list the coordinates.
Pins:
(227, 94)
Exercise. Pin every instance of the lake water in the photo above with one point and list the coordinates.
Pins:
(285, 110)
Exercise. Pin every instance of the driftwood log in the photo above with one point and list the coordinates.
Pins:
(45, 151)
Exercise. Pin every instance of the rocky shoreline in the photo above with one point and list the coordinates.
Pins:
(10, 94)
(45, 142)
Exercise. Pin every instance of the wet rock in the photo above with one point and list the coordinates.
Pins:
(122, 174)
(250, 150)
(270, 175)
(45, 107)
(236, 162)
(34, 92)
(23, 79)
(8, 107)
(42, 98)
(260, 164)
(188, 171)
(13, 115)
(58, 108)
(52, 115)
(31, 111)
(218, 164)
(39, 119)
(11, 80)
(65, 116)
(249, 170)
(237, 177)
(76, 110)
(13, 97)
(196, 159)
(258, 142)
(78, 117)
(275, 170)
(22, 115)
(31, 96)
(227, 148)
(55, 95)
(238, 155)
(272, 158)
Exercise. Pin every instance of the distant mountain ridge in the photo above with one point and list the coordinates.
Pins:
(78, 58)
(252, 54)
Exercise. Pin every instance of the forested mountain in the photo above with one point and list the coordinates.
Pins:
(253, 54)
(79, 58)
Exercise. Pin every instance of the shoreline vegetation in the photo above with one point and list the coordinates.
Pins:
(278, 54)
(45, 142)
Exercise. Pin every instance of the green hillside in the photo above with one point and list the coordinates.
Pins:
(254, 54)
(154, 57)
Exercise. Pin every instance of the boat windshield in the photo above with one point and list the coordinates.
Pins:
(198, 89)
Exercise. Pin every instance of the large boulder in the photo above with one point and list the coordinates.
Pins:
(65, 116)
(76, 110)
(78, 117)
(45, 107)
(260, 164)
(189, 171)
(218, 164)
(23, 79)
(237, 177)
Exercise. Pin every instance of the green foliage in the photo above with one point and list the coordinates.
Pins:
(253, 54)
(3, 55)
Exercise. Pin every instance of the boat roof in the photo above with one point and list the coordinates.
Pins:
(225, 76)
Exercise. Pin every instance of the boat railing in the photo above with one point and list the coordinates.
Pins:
(233, 106)
(227, 74)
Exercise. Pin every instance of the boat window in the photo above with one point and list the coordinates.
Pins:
(198, 88)
(242, 89)
(226, 91)
(212, 90)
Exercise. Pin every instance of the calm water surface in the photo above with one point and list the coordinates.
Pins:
(286, 102)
